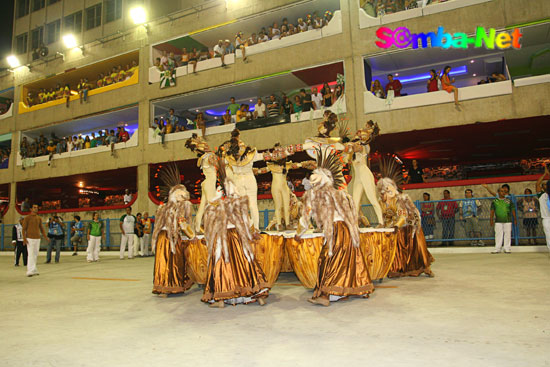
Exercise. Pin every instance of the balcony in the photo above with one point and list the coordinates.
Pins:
(422, 9)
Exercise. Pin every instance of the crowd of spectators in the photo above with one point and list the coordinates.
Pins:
(276, 31)
(5, 106)
(304, 101)
(42, 146)
(4, 157)
(116, 75)
(439, 80)
(377, 8)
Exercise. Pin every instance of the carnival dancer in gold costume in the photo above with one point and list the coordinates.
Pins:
(206, 161)
(173, 223)
(412, 257)
(342, 268)
(233, 275)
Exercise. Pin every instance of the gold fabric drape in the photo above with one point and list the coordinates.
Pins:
(412, 257)
(304, 257)
(170, 271)
(196, 255)
(236, 278)
(345, 272)
(269, 253)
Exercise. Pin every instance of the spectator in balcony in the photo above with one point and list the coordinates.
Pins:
(502, 215)
(24, 148)
(275, 31)
(76, 234)
(302, 26)
(241, 113)
(427, 213)
(229, 48)
(291, 29)
(338, 92)
(93, 141)
(497, 77)
(249, 115)
(262, 37)
(327, 95)
(370, 8)
(87, 143)
(252, 40)
(56, 229)
(415, 173)
(286, 106)
(26, 206)
(164, 59)
(200, 123)
(169, 127)
(58, 91)
(233, 107)
(297, 105)
(41, 95)
(83, 88)
(394, 86)
(469, 211)
(307, 103)
(61, 146)
(219, 51)
(259, 109)
(30, 99)
(121, 73)
(447, 84)
(184, 60)
(433, 82)
(50, 151)
(33, 150)
(284, 31)
(42, 150)
(114, 75)
(70, 146)
(193, 58)
(127, 197)
(100, 140)
(410, 4)
(124, 136)
(309, 22)
(172, 118)
(17, 242)
(446, 211)
(172, 62)
(273, 107)
(111, 140)
(318, 22)
(240, 44)
(226, 118)
(530, 209)
(317, 99)
(377, 90)
(100, 80)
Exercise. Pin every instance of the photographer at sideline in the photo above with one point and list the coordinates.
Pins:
(56, 230)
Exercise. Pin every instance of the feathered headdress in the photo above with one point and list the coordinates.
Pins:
(329, 164)
(390, 169)
(170, 177)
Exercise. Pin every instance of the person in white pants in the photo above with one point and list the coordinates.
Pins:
(503, 210)
(95, 234)
(544, 202)
(127, 224)
(144, 243)
(32, 228)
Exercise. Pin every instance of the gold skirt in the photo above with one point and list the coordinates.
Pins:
(412, 257)
(236, 278)
(344, 273)
(170, 272)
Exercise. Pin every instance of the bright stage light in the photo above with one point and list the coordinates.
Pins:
(13, 61)
(138, 15)
(70, 41)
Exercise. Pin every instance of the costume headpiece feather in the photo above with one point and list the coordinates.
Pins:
(390, 169)
(170, 177)
(327, 159)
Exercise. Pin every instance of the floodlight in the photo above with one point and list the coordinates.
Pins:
(70, 41)
(138, 15)
(13, 61)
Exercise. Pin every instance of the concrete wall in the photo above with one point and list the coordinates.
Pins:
(350, 47)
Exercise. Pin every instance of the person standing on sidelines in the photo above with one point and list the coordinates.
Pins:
(95, 233)
(544, 202)
(503, 210)
(32, 228)
(76, 234)
(17, 242)
(127, 224)
(138, 232)
(56, 230)
(144, 241)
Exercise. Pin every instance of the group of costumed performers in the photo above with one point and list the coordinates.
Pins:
(228, 216)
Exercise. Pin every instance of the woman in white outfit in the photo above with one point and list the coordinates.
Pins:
(544, 202)
(206, 162)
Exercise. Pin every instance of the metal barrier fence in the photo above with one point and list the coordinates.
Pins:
(447, 228)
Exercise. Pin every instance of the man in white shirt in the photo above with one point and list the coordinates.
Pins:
(259, 109)
(544, 202)
(127, 197)
(219, 51)
(127, 225)
(317, 99)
